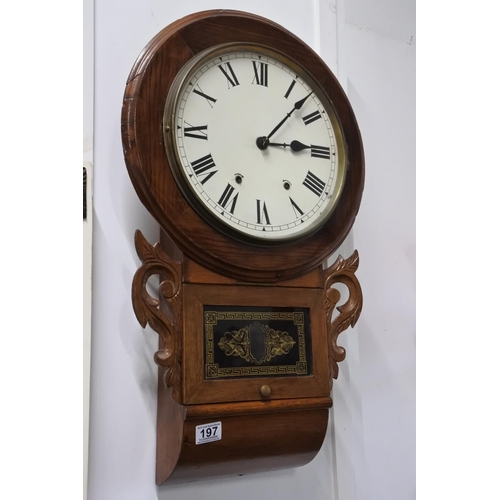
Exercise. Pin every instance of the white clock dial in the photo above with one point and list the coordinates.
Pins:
(256, 144)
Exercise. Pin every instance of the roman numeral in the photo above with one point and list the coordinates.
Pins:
(296, 209)
(209, 99)
(229, 74)
(314, 184)
(260, 72)
(320, 152)
(195, 132)
(201, 167)
(312, 117)
(262, 213)
(225, 199)
(290, 88)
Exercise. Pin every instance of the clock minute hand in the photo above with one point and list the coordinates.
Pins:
(263, 141)
(297, 105)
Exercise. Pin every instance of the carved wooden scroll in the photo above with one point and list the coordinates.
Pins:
(341, 271)
(147, 308)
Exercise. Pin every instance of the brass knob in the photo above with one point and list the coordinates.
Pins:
(265, 391)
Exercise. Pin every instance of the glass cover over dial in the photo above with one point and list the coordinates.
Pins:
(254, 144)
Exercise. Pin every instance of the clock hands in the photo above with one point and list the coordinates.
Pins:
(263, 141)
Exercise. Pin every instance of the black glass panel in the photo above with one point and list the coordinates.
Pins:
(256, 341)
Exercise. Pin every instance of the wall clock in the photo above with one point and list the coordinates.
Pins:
(242, 144)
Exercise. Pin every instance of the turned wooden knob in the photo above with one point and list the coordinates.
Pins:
(265, 391)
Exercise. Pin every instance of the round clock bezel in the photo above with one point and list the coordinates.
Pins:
(149, 167)
(171, 145)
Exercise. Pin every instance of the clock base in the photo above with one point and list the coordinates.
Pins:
(256, 437)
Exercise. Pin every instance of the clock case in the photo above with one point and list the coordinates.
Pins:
(269, 420)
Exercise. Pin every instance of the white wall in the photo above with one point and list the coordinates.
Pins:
(370, 452)
(381, 87)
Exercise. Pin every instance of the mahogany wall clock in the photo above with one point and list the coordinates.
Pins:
(242, 144)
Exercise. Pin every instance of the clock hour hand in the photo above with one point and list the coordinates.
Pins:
(263, 141)
(294, 145)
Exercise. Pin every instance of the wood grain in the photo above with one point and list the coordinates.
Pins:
(252, 441)
(145, 157)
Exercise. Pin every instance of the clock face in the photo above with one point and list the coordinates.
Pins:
(254, 144)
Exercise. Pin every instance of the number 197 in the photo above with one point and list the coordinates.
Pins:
(208, 432)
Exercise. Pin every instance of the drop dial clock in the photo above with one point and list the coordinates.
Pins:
(241, 143)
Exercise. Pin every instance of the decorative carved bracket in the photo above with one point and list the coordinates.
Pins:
(341, 271)
(147, 308)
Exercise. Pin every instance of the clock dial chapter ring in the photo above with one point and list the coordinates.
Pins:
(152, 171)
(217, 106)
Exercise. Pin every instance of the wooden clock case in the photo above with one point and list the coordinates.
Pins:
(270, 418)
